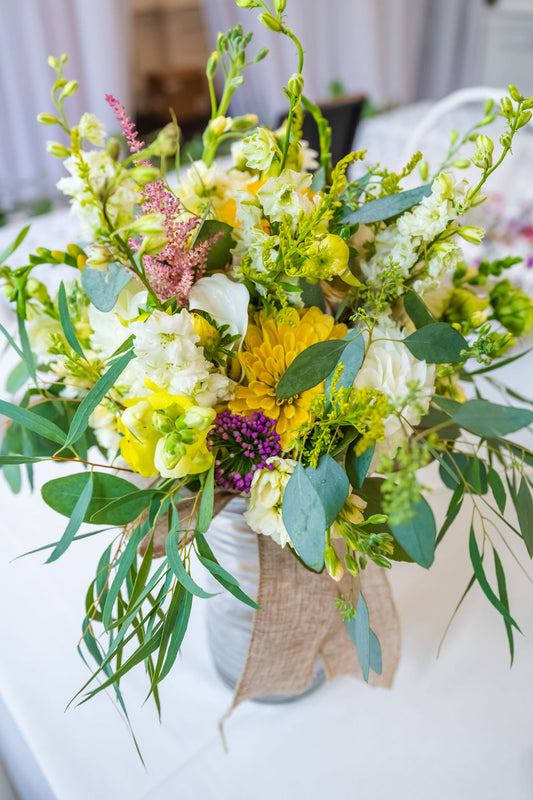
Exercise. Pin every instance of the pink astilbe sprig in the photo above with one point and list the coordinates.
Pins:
(126, 125)
(174, 270)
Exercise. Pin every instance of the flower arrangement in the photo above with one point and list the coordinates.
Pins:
(270, 327)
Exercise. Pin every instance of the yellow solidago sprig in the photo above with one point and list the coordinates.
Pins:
(165, 434)
(270, 347)
(364, 410)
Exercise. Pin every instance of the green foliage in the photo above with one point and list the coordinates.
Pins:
(365, 640)
(305, 519)
(417, 535)
(437, 343)
(357, 465)
(62, 494)
(103, 286)
(310, 367)
(384, 208)
(417, 310)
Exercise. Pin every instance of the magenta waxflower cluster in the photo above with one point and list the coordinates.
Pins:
(242, 445)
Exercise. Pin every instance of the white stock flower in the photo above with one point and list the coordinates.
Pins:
(286, 195)
(260, 149)
(388, 366)
(92, 129)
(168, 354)
(226, 301)
(263, 513)
(103, 421)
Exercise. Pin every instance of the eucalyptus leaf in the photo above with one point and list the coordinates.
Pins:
(29, 358)
(458, 468)
(310, 367)
(351, 360)
(319, 180)
(417, 535)
(62, 494)
(176, 564)
(228, 581)
(417, 310)
(502, 592)
(491, 419)
(524, 512)
(125, 561)
(34, 422)
(436, 343)
(78, 514)
(205, 512)
(103, 287)
(331, 484)
(357, 466)
(386, 207)
(125, 509)
(66, 322)
(498, 489)
(95, 396)
(17, 377)
(304, 518)
(220, 251)
(479, 572)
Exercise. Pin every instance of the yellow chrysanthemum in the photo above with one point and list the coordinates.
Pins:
(269, 348)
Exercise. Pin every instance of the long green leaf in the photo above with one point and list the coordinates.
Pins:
(16, 459)
(502, 591)
(29, 358)
(124, 563)
(10, 249)
(491, 419)
(76, 519)
(176, 564)
(95, 396)
(205, 512)
(178, 632)
(417, 310)
(34, 422)
(479, 572)
(524, 512)
(228, 581)
(498, 489)
(66, 322)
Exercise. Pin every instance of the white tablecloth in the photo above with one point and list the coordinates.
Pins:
(458, 727)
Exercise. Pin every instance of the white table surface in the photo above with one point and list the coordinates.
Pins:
(458, 727)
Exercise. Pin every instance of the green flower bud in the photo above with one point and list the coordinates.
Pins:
(164, 424)
(423, 169)
(482, 156)
(220, 125)
(377, 519)
(247, 3)
(53, 62)
(270, 22)
(144, 175)
(37, 290)
(515, 94)
(57, 150)
(296, 84)
(244, 123)
(47, 119)
(152, 245)
(513, 308)
(523, 118)
(212, 64)
(113, 148)
(506, 107)
(167, 141)
(280, 6)
(261, 54)
(470, 233)
(69, 88)
(527, 103)
(148, 224)
(332, 562)
(461, 163)
(489, 105)
(465, 306)
(351, 564)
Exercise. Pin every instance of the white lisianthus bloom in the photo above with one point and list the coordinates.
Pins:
(388, 366)
(225, 300)
(286, 195)
(263, 512)
(168, 353)
(92, 129)
(260, 149)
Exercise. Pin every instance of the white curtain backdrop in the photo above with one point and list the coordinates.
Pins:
(95, 35)
(395, 51)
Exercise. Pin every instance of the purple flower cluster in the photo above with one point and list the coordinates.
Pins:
(242, 446)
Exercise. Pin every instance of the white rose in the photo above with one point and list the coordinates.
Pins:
(263, 513)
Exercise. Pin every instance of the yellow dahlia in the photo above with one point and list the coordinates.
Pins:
(269, 348)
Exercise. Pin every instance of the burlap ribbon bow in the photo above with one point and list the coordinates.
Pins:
(298, 621)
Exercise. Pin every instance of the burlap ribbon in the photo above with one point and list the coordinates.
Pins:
(298, 621)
